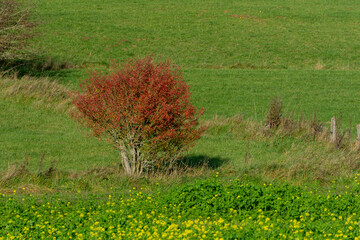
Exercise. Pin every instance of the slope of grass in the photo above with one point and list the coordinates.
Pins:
(229, 92)
(230, 145)
(247, 92)
(29, 132)
(257, 34)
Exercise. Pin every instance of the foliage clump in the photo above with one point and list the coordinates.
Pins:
(16, 28)
(143, 108)
(273, 119)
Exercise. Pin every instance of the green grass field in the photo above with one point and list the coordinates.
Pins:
(236, 56)
(247, 34)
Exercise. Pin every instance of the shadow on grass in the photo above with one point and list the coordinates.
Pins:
(194, 161)
(64, 72)
(36, 66)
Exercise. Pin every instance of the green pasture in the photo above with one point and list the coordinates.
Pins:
(247, 34)
(27, 132)
(229, 92)
(236, 56)
(248, 92)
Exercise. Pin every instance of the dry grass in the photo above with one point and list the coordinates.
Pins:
(308, 155)
(273, 119)
(94, 179)
(41, 92)
(315, 164)
(16, 170)
(319, 66)
(16, 28)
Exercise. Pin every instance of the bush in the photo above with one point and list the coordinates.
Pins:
(273, 119)
(143, 108)
(16, 28)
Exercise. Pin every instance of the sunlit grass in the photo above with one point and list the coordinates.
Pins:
(229, 34)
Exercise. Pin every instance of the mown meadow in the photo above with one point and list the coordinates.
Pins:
(240, 180)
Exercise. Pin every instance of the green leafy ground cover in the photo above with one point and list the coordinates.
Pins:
(207, 209)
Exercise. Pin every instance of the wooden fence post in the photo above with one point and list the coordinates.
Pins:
(358, 136)
(333, 130)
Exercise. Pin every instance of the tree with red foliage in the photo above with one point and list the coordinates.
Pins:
(143, 108)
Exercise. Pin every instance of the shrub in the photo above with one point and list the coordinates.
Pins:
(273, 119)
(16, 28)
(143, 108)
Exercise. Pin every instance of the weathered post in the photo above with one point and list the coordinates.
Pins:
(333, 130)
(358, 137)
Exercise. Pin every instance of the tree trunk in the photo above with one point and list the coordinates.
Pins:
(125, 160)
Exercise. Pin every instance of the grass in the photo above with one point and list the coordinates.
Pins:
(229, 92)
(260, 50)
(234, 146)
(29, 129)
(248, 34)
(248, 92)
